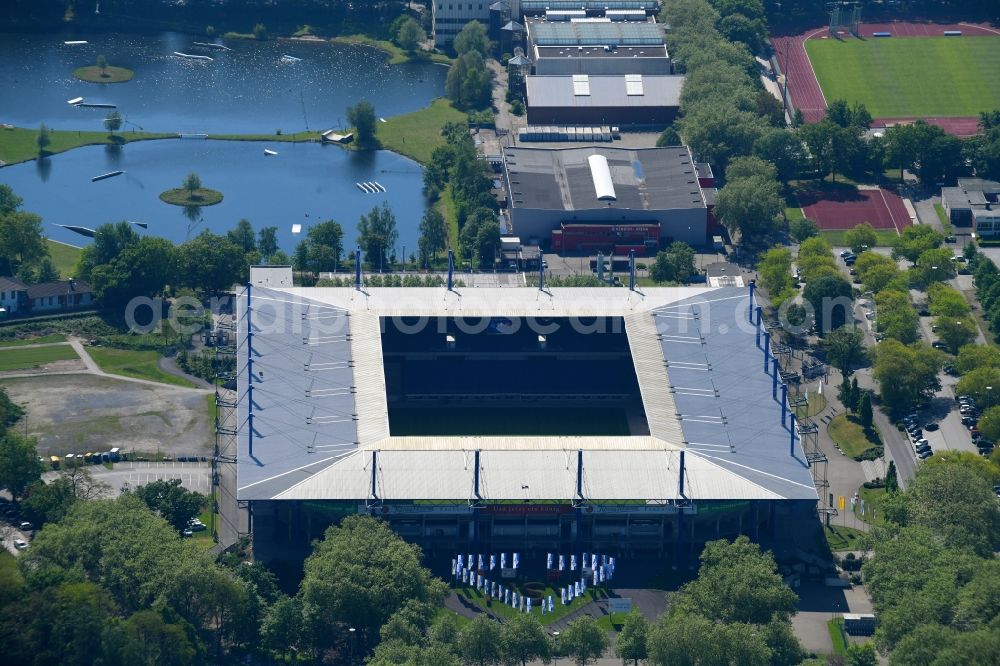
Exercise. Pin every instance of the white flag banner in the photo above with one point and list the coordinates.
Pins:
(569, 593)
(576, 589)
(552, 605)
(493, 562)
(583, 584)
(472, 561)
(503, 560)
(543, 606)
(517, 560)
(506, 594)
(454, 566)
(480, 560)
(602, 573)
(461, 561)
(529, 604)
(595, 577)
(548, 561)
(583, 561)
(562, 594)
(593, 560)
(562, 562)
(572, 562)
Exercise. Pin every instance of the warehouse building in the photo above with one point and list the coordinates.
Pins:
(630, 101)
(583, 46)
(972, 200)
(549, 187)
(635, 423)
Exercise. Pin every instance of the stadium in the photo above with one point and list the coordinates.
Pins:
(634, 422)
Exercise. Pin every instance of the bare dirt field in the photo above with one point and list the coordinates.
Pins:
(80, 413)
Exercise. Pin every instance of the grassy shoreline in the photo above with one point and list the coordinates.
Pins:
(19, 144)
(397, 56)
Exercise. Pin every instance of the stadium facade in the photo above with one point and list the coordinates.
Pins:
(636, 423)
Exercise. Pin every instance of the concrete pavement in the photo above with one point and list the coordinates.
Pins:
(196, 477)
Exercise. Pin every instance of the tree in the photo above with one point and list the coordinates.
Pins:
(802, 228)
(682, 637)
(267, 242)
(832, 300)
(43, 139)
(113, 122)
(324, 246)
(479, 642)
(210, 263)
(410, 35)
(865, 410)
(844, 348)
(891, 478)
(281, 628)
(878, 272)
(361, 573)
(584, 640)
(935, 265)
(260, 31)
(148, 638)
(472, 37)
(522, 639)
(669, 137)
(480, 237)
(675, 264)
(783, 149)
(845, 393)
(749, 207)
(718, 132)
(468, 83)
(785, 647)
(914, 241)
(19, 464)
(102, 64)
(109, 241)
(895, 316)
(738, 583)
(433, 234)
(861, 654)
(906, 373)
(989, 424)
(955, 332)
(775, 271)
(832, 147)
(141, 268)
(631, 642)
(191, 183)
(243, 236)
(947, 301)
(177, 505)
(901, 146)
(862, 237)
(23, 244)
(959, 504)
(983, 384)
(361, 116)
(377, 235)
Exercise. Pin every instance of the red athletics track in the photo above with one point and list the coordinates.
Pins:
(844, 208)
(804, 88)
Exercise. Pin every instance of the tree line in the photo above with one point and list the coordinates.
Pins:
(24, 254)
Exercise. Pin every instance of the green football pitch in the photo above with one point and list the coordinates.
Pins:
(912, 76)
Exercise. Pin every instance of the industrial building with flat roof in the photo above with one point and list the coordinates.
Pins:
(602, 185)
(975, 202)
(629, 100)
(534, 419)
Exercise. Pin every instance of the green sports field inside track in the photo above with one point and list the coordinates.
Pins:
(912, 76)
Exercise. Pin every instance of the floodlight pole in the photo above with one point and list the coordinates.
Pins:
(357, 270)
(249, 373)
(374, 479)
(451, 269)
(767, 350)
(631, 270)
(753, 285)
(791, 434)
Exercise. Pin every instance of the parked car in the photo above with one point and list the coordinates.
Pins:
(924, 312)
(850, 260)
(846, 253)
(937, 344)
(20, 544)
(931, 426)
(968, 421)
(25, 526)
(924, 455)
(950, 239)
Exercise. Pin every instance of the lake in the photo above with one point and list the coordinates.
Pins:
(303, 184)
(246, 90)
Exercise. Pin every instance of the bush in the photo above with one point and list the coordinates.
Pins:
(517, 107)
(260, 31)
(874, 453)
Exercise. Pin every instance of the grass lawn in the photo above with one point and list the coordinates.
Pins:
(794, 213)
(200, 197)
(417, 134)
(45, 339)
(871, 497)
(23, 359)
(560, 610)
(836, 627)
(11, 580)
(93, 74)
(447, 206)
(64, 256)
(842, 538)
(816, 404)
(922, 76)
(397, 56)
(943, 216)
(848, 434)
(835, 237)
(18, 144)
(131, 363)
(204, 538)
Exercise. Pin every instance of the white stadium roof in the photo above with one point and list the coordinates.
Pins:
(320, 426)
